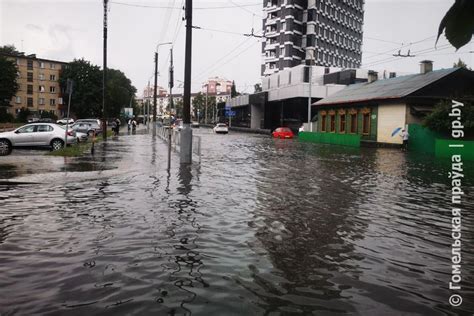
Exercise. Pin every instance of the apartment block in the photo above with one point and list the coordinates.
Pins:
(318, 32)
(38, 81)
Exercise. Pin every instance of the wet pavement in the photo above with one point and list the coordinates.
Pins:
(260, 227)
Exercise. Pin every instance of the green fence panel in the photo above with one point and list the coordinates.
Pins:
(422, 139)
(443, 150)
(330, 138)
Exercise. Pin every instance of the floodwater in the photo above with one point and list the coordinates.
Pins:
(260, 227)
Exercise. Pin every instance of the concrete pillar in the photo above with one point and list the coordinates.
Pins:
(256, 114)
(186, 147)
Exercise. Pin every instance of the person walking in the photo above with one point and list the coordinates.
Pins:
(405, 136)
(117, 126)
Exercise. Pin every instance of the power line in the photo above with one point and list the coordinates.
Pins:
(243, 8)
(405, 45)
(229, 60)
(382, 40)
(179, 8)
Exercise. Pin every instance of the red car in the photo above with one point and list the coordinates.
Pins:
(282, 132)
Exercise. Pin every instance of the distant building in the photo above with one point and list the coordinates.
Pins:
(39, 88)
(217, 86)
(374, 110)
(326, 32)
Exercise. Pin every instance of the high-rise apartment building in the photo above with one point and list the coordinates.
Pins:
(320, 32)
(38, 85)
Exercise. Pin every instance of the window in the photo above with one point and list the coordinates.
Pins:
(60, 101)
(29, 76)
(52, 66)
(342, 123)
(52, 89)
(41, 88)
(333, 123)
(283, 26)
(17, 99)
(323, 123)
(41, 64)
(30, 65)
(52, 77)
(366, 124)
(41, 76)
(29, 102)
(29, 89)
(27, 129)
(44, 128)
(52, 102)
(41, 101)
(18, 61)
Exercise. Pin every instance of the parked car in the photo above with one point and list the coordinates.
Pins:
(96, 121)
(36, 135)
(283, 132)
(45, 120)
(221, 128)
(195, 124)
(65, 121)
(88, 127)
(81, 137)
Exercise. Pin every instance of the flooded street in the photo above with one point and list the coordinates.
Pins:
(260, 227)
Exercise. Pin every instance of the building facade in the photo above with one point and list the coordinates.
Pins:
(376, 110)
(38, 85)
(217, 86)
(321, 32)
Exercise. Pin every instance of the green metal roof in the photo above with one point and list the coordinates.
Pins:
(393, 88)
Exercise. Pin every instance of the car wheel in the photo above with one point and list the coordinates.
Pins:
(57, 144)
(5, 147)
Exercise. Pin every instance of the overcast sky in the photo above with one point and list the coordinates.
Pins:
(69, 29)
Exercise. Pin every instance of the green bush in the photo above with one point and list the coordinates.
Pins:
(5, 117)
(440, 121)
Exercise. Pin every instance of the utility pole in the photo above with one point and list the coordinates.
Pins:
(186, 132)
(310, 70)
(104, 75)
(156, 88)
(207, 92)
(171, 79)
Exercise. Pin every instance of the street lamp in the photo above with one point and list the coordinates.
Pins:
(156, 79)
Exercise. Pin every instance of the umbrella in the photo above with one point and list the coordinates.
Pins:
(395, 131)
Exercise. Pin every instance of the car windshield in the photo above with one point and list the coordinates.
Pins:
(285, 129)
(221, 125)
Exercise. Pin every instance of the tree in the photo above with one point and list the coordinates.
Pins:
(86, 99)
(5, 116)
(8, 83)
(233, 91)
(120, 93)
(458, 23)
(440, 121)
(461, 64)
(49, 114)
(178, 106)
(8, 49)
(257, 88)
(22, 116)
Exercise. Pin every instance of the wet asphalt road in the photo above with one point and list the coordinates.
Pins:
(260, 227)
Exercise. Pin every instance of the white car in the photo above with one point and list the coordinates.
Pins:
(65, 121)
(36, 135)
(221, 128)
(81, 137)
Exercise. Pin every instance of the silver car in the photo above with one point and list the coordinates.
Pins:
(36, 135)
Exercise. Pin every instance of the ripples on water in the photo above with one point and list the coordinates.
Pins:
(262, 227)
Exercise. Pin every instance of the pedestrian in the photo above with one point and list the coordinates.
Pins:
(117, 126)
(134, 125)
(405, 136)
(129, 123)
(301, 129)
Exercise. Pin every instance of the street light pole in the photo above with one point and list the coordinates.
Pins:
(156, 82)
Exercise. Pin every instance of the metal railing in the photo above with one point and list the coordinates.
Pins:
(163, 133)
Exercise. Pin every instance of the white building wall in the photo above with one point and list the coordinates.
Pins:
(390, 117)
